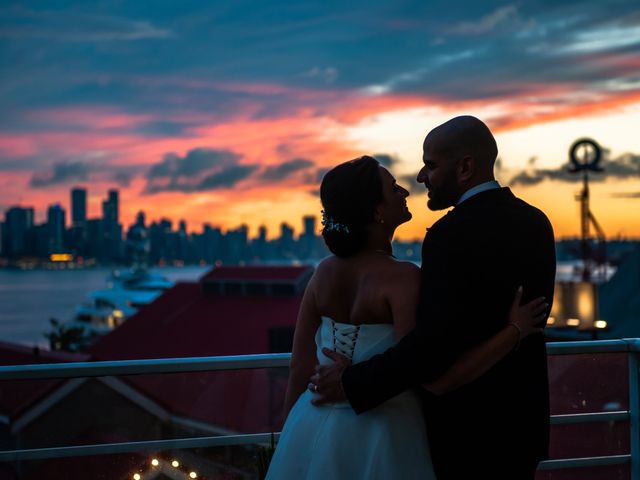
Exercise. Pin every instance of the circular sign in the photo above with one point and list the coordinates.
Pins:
(585, 154)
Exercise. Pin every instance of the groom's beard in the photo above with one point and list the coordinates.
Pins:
(445, 195)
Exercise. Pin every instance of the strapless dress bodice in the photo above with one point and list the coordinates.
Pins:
(357, 342)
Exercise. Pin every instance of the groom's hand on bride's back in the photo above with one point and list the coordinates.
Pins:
(327, 381)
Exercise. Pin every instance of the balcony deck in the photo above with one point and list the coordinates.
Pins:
(618, 416)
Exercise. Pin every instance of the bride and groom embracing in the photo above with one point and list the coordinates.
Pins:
(437, 372)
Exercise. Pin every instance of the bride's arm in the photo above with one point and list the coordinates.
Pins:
(523, 321)
(303, 356)
(403, 297)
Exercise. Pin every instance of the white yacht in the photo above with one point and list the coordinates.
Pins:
(126, 292)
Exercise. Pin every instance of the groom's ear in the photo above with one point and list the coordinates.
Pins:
(466, 168)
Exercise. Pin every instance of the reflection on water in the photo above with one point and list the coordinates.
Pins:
(28, 299)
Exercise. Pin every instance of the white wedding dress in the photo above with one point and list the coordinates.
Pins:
(332, 442)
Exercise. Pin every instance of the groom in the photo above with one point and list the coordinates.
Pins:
(473, 260)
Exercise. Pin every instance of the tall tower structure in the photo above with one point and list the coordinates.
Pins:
(79, 207)
(309, 222)
(585, 155)
(17, 226)
(111, 208)
(55, 228)
(112, 230)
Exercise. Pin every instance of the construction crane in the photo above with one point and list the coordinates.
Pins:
(585, 155)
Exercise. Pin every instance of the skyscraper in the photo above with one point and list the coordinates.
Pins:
(112, 230)
(309, 222)
(286, 243)
(55, 228)
(18, 225)
(79, 207)
(110, 208)
(308, 240)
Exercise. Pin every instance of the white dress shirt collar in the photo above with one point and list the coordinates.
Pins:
(483, 187)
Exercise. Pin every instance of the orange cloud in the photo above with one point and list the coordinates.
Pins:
(309, 128)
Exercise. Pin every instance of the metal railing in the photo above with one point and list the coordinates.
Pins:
(199, 364)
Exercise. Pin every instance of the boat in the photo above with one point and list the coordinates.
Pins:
(126, 292)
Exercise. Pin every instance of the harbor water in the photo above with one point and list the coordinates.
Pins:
(29, 298)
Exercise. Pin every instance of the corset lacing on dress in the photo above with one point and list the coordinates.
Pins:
(344, 339)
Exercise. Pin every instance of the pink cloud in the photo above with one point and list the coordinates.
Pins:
(298, 130)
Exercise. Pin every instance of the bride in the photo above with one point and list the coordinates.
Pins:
(359, 302)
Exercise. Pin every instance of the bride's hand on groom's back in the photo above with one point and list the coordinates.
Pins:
(327, 381)
(529, 317)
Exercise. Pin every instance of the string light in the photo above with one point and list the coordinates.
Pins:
(155, 462)
(136, 476)
(175, 464)
(193, 474)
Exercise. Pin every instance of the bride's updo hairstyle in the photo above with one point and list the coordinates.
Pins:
(350, 193)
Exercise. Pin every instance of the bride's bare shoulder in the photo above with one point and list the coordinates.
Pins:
(403, 274)
(329, 263)
(406, 268)
(328, 266)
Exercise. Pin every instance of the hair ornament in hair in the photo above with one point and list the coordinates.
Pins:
(330, 225)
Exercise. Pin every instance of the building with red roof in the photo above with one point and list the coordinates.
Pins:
(229, 311)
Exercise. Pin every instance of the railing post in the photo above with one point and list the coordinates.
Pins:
(634, 414)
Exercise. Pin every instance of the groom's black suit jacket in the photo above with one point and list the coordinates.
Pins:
(473, 260)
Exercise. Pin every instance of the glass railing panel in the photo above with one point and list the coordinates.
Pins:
(146, 407)
(612, 472)
(588, 383)
(589, 439)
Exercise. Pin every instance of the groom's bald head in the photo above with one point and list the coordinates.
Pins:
(466, 136)
(457, 156)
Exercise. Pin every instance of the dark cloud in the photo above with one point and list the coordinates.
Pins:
(164, 128)
(226, 178)
(624, 166)
(123, 178)
(410, 183)
(62, 173)
(286, 169)
(195, 162)
(201, 169)
(309, 59)
(19, 23)
(320, 173)
(22, 164)
(388, 161)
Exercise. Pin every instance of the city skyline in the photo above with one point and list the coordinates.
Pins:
(76, 214)
(94, 205)
(221, 113)
(104, 240)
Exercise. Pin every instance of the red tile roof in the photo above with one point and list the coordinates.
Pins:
(265, 273)
(18, 395)
(187, 322)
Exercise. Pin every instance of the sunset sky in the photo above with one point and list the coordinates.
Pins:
(230, 112)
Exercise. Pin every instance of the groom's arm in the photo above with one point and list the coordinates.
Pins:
(424, 353)
(409, 363)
